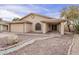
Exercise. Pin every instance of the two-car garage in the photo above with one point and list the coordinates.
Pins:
(20, 27)
(17, 28)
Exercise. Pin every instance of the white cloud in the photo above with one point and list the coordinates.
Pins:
(48, 12)
(7, 15)
(21, 9)
(11, 11)
(39, 8)
(26, 8)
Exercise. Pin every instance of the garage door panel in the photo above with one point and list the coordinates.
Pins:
(16, 27)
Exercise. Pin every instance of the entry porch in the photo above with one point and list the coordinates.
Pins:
(53, 27)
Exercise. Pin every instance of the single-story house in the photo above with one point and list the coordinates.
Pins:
(3, 26)
(37, 23)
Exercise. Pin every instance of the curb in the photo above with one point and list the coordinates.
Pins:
(70, 47)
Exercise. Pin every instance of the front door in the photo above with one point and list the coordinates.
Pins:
(54, 27)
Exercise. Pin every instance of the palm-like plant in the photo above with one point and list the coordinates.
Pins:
(70, 14)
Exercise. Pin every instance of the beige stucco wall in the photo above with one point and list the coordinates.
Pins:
(35, 20)
(3, 27)
(62, 28)
(31, 27)
(45, 28)
(28, 28)
(59, 29)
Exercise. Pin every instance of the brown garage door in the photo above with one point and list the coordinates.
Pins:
(16, 28)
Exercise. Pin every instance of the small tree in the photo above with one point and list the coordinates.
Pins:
(15, 19)
(70, 13)
(76, 25)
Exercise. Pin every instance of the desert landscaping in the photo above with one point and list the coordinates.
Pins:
(40, 44)
(40, 34)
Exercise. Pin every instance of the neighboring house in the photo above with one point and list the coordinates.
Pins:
(3, 26)
(37, 23)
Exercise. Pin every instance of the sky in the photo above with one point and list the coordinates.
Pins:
(10, 11)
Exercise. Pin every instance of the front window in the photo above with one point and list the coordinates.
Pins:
(38, 26)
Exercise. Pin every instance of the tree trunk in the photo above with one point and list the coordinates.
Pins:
(69, 28)
(68, 24)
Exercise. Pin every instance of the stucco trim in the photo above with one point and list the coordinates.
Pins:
(54, 21)
(19, 22)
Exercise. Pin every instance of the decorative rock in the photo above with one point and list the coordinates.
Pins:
(8, 39)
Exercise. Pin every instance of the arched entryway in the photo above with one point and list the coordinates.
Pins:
(38, 27)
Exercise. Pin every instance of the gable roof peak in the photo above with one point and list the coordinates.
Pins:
(37, 15)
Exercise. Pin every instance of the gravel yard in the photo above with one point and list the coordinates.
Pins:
(28, 37)
(21, 38)
(53, 46)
